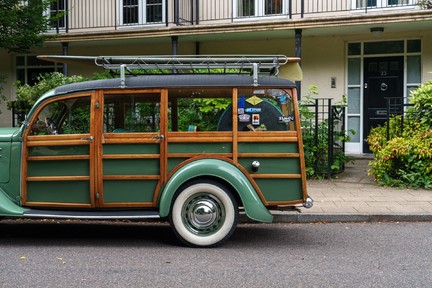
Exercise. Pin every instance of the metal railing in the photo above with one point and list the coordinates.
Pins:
(324, 137)
(119, 14)
(396, 106)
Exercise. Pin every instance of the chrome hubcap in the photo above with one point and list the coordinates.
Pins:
(203, 214)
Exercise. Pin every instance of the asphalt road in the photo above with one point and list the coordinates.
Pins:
(84, 254)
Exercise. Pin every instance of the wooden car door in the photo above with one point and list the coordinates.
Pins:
(58, 163)
(131, 160)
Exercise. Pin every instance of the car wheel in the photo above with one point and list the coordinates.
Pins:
(204, 214)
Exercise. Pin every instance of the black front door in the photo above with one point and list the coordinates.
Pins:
(383, 78)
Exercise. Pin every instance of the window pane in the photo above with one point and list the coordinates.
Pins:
(413, 69)
(30, 67)
(354, 124)
(20, 60)
(34, 61)
(273, 7)
(246, 8)
(410, 89)
(387, 47)
(199, 109)
(414, 46)
(397, 2)
(264, 110)
(71, 116)
(354, 101)
(354, 48)
(56, 8)
(130, 11)
(354, 71)
(77, 117)
(34, 73)
(154, 10)
(132, 113)
(21, 76)
(363, 3)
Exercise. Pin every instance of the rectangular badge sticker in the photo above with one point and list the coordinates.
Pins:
(255, 119)
(244, 118)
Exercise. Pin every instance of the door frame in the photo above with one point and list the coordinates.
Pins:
(30, 141)
(367, 94)
(143, 138)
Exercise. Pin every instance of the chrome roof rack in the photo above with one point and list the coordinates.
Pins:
(183, 64)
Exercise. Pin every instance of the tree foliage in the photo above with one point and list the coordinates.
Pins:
(27, 95)
(22, 24)
(425, 4)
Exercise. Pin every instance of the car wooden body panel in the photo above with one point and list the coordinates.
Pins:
(117, 148)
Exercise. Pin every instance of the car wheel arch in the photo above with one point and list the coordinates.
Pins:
(223, 172)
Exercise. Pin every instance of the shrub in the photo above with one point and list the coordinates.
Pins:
(27, 95)
(406, 159)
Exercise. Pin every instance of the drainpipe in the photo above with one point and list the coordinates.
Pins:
(197, 48)
(197, 12)
(65, 48)
(176, 12)
(174, 44)
(298, 53)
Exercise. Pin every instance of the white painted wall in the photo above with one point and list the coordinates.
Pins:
(323, 58)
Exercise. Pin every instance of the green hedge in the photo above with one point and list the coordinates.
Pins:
(406, 159)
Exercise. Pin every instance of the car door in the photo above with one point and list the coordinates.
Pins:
(58, 163)
(131, 162)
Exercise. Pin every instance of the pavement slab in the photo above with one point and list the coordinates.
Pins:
(354, 196)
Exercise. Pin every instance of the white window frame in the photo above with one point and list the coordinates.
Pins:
(142, 15)
(47, 13)
(25, 67)
(259, 9)
(380, 4)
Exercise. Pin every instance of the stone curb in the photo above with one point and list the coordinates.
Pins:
(334, 218)
(331, 218)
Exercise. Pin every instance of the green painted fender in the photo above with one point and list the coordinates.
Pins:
(254, 208)
(8, 208)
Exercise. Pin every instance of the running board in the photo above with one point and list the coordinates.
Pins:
(111, 215)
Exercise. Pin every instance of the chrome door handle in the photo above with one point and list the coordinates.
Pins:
(159, 138)
(90, 139)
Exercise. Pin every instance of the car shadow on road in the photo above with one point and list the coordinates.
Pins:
(81, 232)
(44, 232)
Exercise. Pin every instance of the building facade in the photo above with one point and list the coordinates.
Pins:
(366, 50)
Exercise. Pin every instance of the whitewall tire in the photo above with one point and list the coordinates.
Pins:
(204, 214)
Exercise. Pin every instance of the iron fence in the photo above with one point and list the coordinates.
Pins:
(396, 106)
(77, 15)
(19, 110)
(324, 137)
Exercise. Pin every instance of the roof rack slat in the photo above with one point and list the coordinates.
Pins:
(184, 64)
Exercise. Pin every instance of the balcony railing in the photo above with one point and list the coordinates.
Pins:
(122, 14)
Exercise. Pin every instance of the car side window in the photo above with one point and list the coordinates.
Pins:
(261, 110)
(131, 113)
(197, 110)
(68, 116)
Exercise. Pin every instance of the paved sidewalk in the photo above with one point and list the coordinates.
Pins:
(354, 196)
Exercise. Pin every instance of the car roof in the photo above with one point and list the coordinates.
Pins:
(173, 81)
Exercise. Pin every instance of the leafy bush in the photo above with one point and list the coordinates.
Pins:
(27, 95)
(425, 4)
(406, 159)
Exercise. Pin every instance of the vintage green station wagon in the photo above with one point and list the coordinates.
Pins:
(194, 149)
